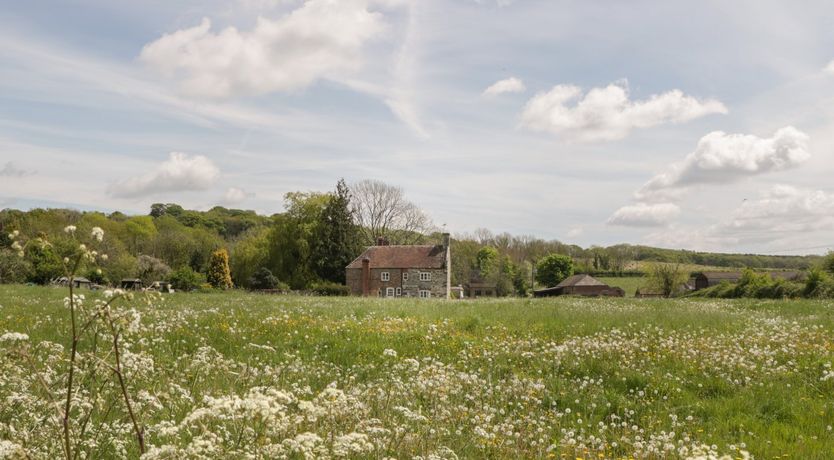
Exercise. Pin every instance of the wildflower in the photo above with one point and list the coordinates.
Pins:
(103, 257)
(69, 229)
(16, 246)
(97, 233)
(12, 337)
(389, 352)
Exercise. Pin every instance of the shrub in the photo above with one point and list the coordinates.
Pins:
(13, 268)
(327, 288)
(553, 269)
(263, 279)
(186, 279)
(219, 275)
(152, 269)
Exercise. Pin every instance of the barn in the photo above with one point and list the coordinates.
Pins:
(708, 279)
(584, 285)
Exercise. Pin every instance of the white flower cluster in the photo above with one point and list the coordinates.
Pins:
(11, 337)
(70, 229)
(16, 246)
(97, 233)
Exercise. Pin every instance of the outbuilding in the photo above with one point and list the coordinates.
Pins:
(584, 285)
(708, 279)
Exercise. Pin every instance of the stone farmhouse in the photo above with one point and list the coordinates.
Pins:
(401, 271)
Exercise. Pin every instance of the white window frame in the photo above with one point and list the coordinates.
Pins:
(385, 276)
(389, 292)
(425, 276)
(405, 276)
(425, 294)
(399, 292)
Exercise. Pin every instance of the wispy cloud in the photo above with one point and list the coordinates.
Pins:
(11, 170)
(507, 85)
(235, 196)
(605, 114)
(181, 172)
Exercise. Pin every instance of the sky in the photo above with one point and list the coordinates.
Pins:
(702, 125)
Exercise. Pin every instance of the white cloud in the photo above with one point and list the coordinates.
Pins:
(722, 158)
(645, 215)
(607, 113)
(11, 170)
(575, 232)
(784, 209)
(781, 219)
(507, 85)
(235, 195)
(181, 172)
(320, 39)
(829, 69)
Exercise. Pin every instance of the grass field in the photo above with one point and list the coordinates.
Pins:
(628, 283)
(236, 375)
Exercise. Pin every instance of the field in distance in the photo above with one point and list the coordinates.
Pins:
(236, 375)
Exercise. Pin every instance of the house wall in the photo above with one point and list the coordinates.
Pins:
(409, 288)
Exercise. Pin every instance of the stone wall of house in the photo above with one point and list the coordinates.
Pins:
(409, 287)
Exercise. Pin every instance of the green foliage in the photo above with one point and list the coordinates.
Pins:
(760, 285)
(263, 279)
(666, 278)
(13, 268)
(291, 237)
(336, 241)
(819, 284)
(219, 275)
(487, 261)
(553, 269)
(186, 279)
(248, 254)
(46, 264)
(96, 276)
(326, 288)
(828, 263)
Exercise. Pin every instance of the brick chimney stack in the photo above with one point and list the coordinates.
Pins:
(366, 277)
(381, 241)
(447, 245)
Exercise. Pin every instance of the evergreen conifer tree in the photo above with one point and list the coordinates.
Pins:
(336, 242)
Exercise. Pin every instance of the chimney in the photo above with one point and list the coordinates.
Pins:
(366, 277)
(381, 241)
(447, 243)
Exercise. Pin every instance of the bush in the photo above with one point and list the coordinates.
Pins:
(553, 269)
(186, 279)
(263, 279)
(219, 275)
(13, 268)
(326, 288)
(96, 276)
(152, 269)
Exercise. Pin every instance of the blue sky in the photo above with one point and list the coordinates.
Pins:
(699, 125)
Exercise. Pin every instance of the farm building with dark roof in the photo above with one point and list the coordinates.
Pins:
(585, 285)
(708, 279)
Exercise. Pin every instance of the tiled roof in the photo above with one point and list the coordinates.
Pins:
(581, 280)
(417, 256)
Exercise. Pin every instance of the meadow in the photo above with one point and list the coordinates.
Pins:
(239, 375)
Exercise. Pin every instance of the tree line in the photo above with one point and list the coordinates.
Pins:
(308, 245)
